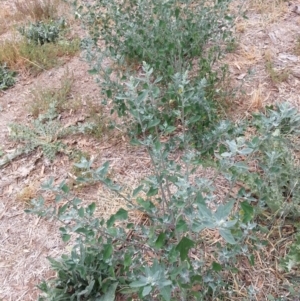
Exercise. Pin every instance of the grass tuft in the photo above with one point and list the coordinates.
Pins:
(37, 10)
(297, 47)
(43, 98)
(5, 19)
(97, 119)
(27, 194)
(21, 55)
(277, 76)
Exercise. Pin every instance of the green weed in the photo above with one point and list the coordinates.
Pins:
(7, 77)
(40, 33)
(44, 132)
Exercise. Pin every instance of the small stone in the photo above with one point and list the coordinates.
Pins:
(296, 9)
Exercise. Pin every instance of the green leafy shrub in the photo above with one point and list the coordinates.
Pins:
(183, 104)
(165, 34)
(292, 259)
(272, 148)
(112, 256)
(7, 77)
(161, 259)
(41, 33)
(168, 256)
(171, 37)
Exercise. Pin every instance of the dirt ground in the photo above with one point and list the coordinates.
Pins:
(269, 33)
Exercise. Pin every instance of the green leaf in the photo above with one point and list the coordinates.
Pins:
(152, 191)
(184, 246)
(146, 290)
(139, 283)
(177, 11)
(91, 209)
(170, 129)
(226, 154)
(245, 151)
(65, 188)
(196, 278)
(120, 215)
(223, 211)
(66, 237)
(241, 166)
(204, 212)
(107, 251)
(88, 289)
(76, 201)
(142, 96)
(108, 93)
(216, 267)
(58, 198)
(226, 234)
(63, 230)
(81, 212)
(153, 123)
(166, 292)
(247, 212)
(110, 295)
(181, 226)
(157, 145)
(93, 71)
(160, 241)
(251, 259)
(137, 190)
(127, 260)
(147, 205)
(62, 209)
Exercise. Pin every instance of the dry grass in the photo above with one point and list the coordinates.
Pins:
(37, 10)
(256, 101)
(297, 47)
(270, 10)
(97, 118)
(5, 18)
(27, 194)
(42, 98)
(20, 55)
(277, 76)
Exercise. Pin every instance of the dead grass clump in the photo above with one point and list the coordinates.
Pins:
(277, 76)
(5, 17)
(27, 194)
(20, 55)
(269, 7)
(297, 47)
(43, 98)
(256, 99)
(269, 10)
(97, 119)
(37, 10)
